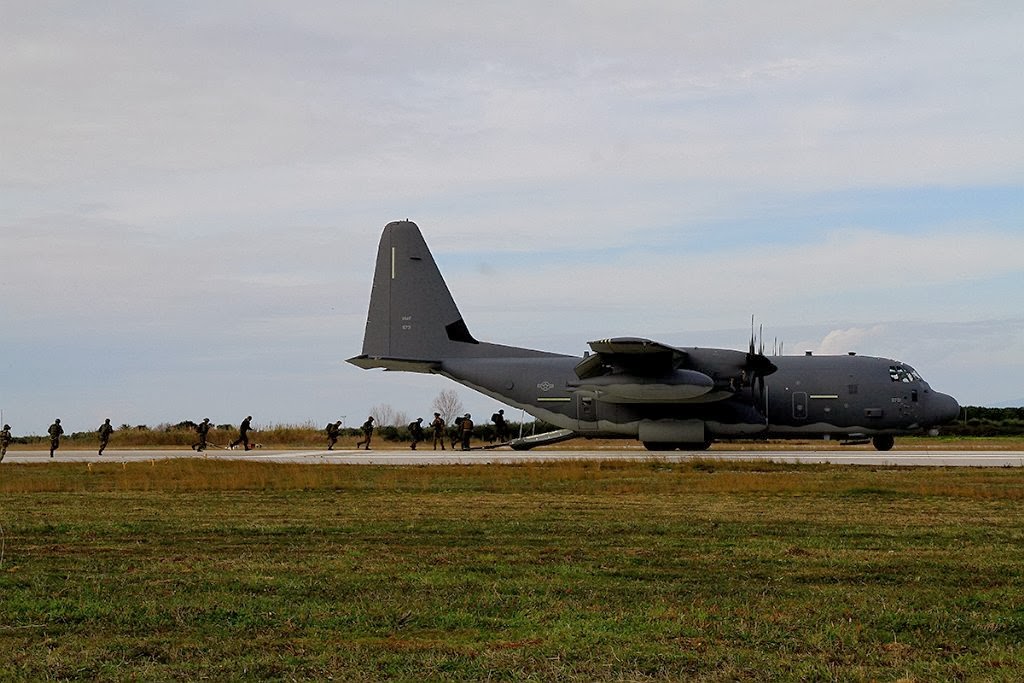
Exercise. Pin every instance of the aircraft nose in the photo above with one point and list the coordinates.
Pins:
(943, 408)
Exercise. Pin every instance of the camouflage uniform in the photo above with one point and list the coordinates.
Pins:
(202, 429)
(333, 432)
(416, 431)
(500, 428)
(467, 431)
(5, 441)
(456, 431)
(104, 431)
(55, 431)
(367, 433)
(438, 426)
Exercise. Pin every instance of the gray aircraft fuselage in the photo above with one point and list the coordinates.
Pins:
(663, 395)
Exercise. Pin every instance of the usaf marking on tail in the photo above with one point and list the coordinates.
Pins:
(668, 397)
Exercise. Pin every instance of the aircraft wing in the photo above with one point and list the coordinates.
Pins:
(635, 370)
(632, 354)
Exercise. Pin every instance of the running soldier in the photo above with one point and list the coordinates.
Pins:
(333, 432)
(104, 431)
(5, 440)
(243, 433)
(55, 431)
(416, 431)
(202, 429)
(367, 433)
(500, 428)
(438, 426)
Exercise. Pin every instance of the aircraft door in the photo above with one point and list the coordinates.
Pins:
(799, 405)
(586, 411)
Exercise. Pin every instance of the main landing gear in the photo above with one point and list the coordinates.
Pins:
(883, 442)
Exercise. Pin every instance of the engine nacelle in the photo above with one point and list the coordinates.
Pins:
(674, 387)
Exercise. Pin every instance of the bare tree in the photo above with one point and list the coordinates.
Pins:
(383, 415)
(448, 404)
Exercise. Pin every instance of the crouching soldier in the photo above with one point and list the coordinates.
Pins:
(367, 433)
(416, 432)
(333, 432)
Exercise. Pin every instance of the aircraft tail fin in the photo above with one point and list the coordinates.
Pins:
(413, 323)
(412, 316)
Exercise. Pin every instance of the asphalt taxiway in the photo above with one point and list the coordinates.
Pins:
(950, 458)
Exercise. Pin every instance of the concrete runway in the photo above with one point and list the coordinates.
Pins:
(509, 457)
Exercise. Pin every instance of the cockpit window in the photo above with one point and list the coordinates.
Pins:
(903, 373)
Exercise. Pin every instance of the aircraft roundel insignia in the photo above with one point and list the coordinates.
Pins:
(545, 386)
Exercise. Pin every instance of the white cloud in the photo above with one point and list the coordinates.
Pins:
(838, 342)
(854, 276)
(200, 176)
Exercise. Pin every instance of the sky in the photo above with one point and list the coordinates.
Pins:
(191, 193)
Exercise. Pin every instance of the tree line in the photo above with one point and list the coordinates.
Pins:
(981, 421)
(393, 425)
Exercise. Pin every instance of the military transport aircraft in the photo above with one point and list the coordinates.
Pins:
(668, 397)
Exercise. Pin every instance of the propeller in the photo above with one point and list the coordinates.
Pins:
(757, 367)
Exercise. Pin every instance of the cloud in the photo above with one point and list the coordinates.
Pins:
(854, 276)
(838, 342)
(197, 189)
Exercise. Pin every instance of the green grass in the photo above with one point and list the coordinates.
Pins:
(569, 571)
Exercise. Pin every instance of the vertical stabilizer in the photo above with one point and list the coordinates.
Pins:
(412, 314)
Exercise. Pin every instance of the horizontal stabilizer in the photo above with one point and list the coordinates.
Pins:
(398, 364)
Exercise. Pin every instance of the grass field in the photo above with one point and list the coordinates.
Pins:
(207, 569)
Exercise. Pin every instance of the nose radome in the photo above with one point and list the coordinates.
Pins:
(944, 408)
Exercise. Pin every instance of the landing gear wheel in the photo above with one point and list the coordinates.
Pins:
(659, 446)
(883, 442)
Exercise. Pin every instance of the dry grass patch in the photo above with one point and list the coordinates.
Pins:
(564, 571)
